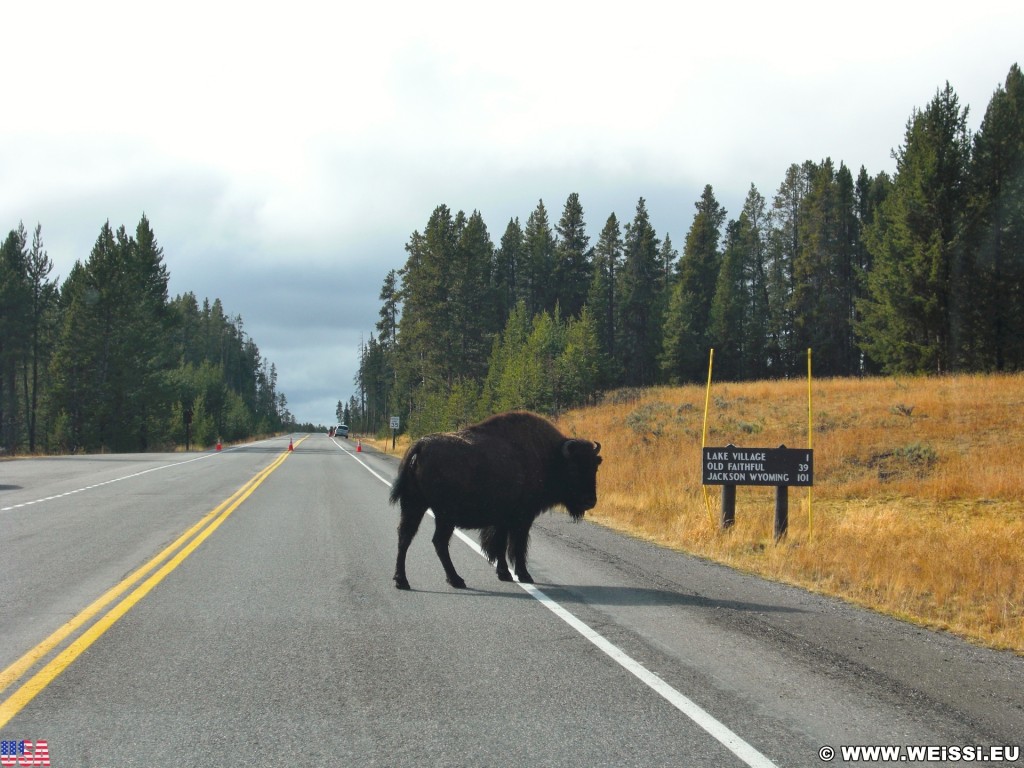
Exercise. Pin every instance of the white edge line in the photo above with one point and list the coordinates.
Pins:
(721, 732)
(365, 466)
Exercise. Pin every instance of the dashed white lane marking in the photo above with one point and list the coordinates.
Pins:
(117, 480)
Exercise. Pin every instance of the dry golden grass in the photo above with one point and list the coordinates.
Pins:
(917, 505)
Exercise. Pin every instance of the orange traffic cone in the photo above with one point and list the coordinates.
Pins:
(359, 446)
(291, 446)
(218, 443)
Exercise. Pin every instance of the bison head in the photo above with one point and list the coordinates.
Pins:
(580, 490)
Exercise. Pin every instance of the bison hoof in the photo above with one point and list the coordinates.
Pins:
(524, 577)
(402, 583)
(458, 582)
(505, 575)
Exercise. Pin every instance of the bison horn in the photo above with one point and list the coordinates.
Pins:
(597, 447)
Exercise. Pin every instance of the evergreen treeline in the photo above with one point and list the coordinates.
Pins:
(106, 362)
(920, 272)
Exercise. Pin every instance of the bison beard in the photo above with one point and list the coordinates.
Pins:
(496, 476)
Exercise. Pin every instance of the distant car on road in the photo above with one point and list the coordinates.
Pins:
(341, 430)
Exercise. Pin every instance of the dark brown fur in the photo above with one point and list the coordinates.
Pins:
(496, 476)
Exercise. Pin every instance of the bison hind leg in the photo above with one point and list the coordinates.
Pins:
(408, 524)
(494, 542)
(518, 544)
(443, 531)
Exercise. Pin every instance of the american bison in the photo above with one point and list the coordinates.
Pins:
(496, 476)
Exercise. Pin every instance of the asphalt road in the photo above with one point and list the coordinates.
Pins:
(271, 634)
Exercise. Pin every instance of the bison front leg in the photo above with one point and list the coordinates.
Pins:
(519, 542)
(442, 536)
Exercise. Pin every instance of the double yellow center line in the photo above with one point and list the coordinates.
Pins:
(150, 574)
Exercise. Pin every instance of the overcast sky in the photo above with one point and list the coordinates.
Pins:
(284, 152)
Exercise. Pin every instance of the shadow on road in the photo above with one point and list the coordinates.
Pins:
(606, 595)
(609, 595)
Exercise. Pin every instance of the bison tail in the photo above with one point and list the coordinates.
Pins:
(396, 490)
(401, 484)
(493, 542)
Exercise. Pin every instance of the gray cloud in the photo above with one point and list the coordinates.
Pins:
(284, 158)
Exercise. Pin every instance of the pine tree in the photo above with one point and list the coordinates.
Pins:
(913, 321)
(469, 293)
(14, 327)
(510, 376)
(126, 363)
(580, 361)
(639, 301)
(545, 345)
(88, 390)
(446, 324)
(996, 230)
(542, 364)
(146, 348)
(374, 380)
(788, 210)
(572, 268)
(847, 265)
(667, 259)
(726, 331)
(870, 193)
(686, 340)
(821, 303)
(537, 266)
(425, 347)
(387, 325)
(387, 329)
(753, 234)
(186, 322)
(114, 351)
(67, 369)
(508, 259)
(41, 324)
(603, 295)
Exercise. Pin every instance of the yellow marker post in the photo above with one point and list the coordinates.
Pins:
(704, 432)
(810, 444)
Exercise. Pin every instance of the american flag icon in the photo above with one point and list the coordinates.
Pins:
(24, 753)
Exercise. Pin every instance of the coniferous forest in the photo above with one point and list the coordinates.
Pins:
(919, 272)
(106, 362)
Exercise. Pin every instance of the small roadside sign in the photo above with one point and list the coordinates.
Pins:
(782, 467)
(758, 466)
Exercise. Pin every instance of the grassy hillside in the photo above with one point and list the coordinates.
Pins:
(917, 508)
